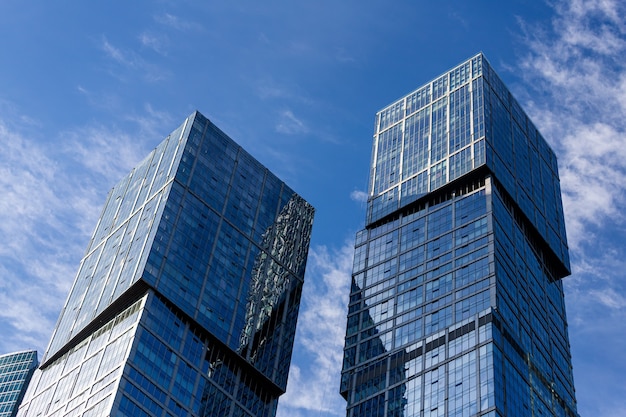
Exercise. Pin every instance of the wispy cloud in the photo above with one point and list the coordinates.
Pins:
(578, 72)
(151, 123)
(158, 43)
(131, 61)
(359, 196)
(581, 74)
(289, 124)
(116, 54)
(609, 298)
(268, 89)
(36, 244)
(53, 190)
(321, 329)
(177, 22)
(92, 146)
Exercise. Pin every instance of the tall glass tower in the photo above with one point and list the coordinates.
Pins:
(186, 300)
(16, 370)
(456, 306)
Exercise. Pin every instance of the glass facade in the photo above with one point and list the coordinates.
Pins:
(16, 370)
(186, 300)
(456, 306)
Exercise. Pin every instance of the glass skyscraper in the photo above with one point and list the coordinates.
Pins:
(186, 300)
(456, 306)
(16, 370)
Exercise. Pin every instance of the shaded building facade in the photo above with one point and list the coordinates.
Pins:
(16, 370)
(186, 300)
(456, 306)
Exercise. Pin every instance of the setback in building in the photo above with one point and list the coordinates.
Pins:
(186, 300)
(456, 306)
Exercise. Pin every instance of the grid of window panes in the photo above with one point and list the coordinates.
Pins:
(417, 280)
(16, 369)
(231, 248)
(420, 335)
(462, 120)
(524, 164)
(454, 315)
(428, 138)
(222, 239)
(537, 362)
(83, 381)
(175, 369)
(116, 253)
(148, 361)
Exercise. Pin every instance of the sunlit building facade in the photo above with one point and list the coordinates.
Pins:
(16, 370)
(186, 300)
(456, 306)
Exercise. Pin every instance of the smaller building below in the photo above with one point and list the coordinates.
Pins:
(16, 369)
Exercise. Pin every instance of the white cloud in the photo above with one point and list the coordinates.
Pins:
(92, 147)
(157, 43)
(359, 196)
(23, 302)
(115, 53)
(289, 124)
(582, 79)
(133, 62)
(320, 339)
(177, 23)
(53, 189)
(35, 241)
(577, 74)
(609, 297)
(269, 90)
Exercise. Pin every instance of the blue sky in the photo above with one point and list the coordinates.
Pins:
(87, 89)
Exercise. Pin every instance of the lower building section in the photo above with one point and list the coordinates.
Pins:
(446, 375)
(456, 310)
(474, 368)
(150, 360)
(84, 380)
